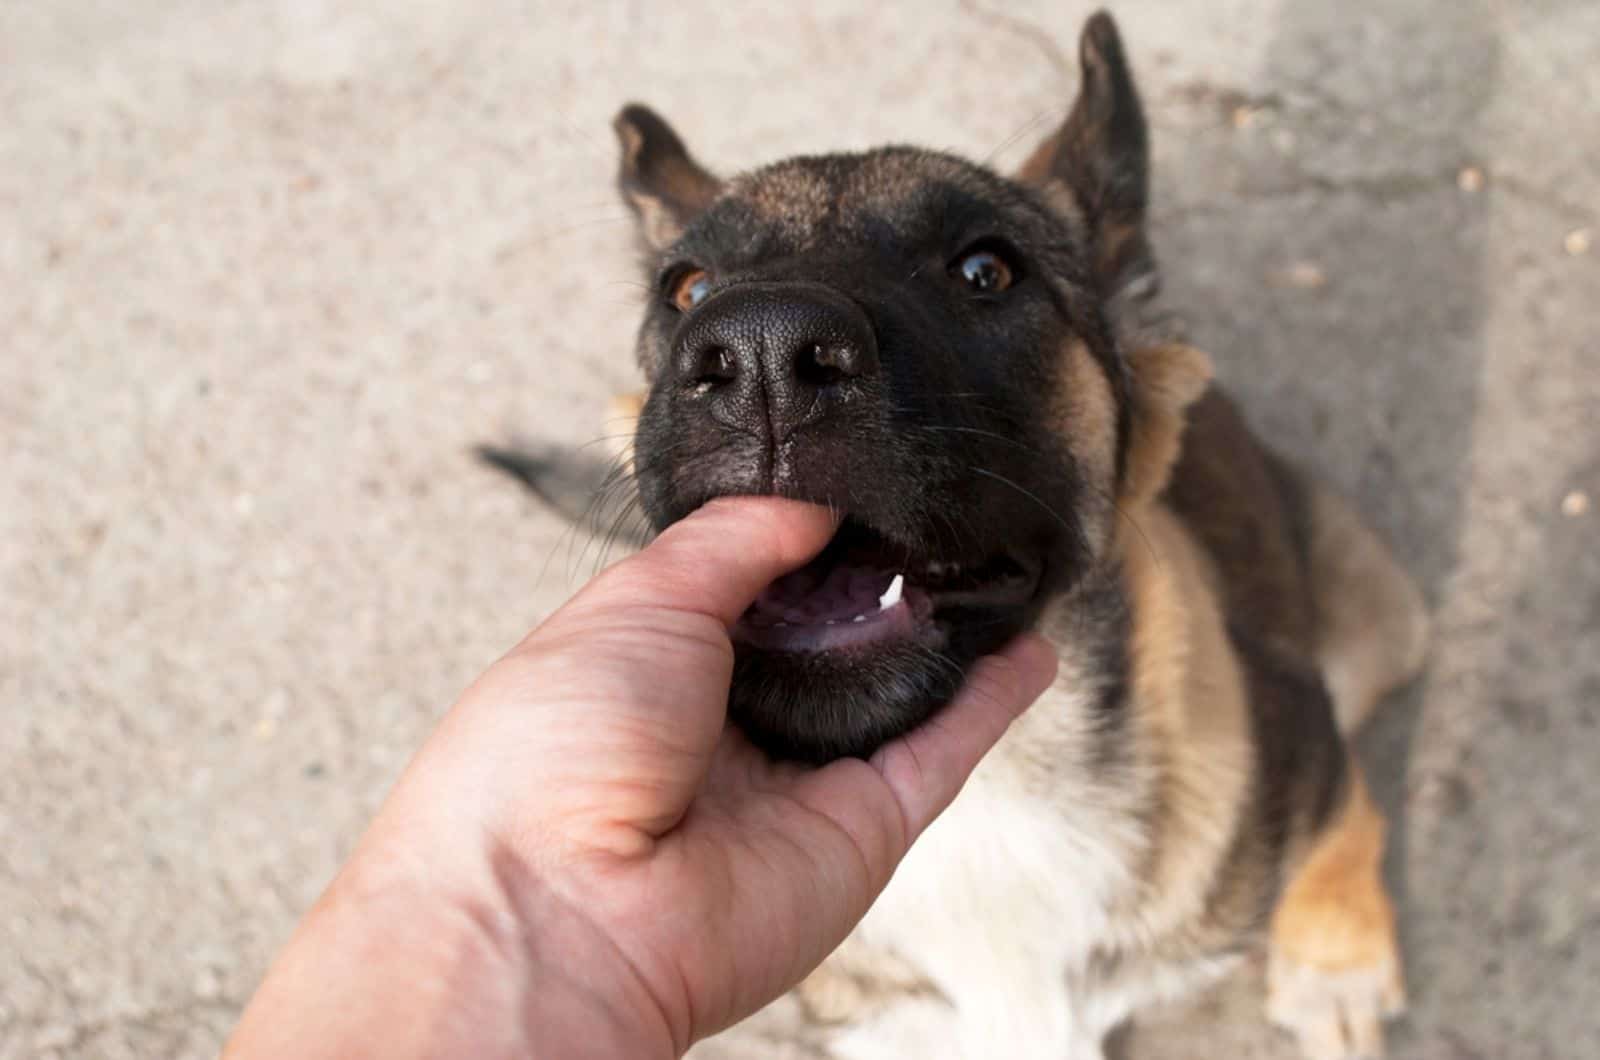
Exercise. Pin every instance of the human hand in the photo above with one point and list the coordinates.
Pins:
(585, 860)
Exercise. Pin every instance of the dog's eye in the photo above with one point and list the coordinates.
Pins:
(985, 271)
(690, 289)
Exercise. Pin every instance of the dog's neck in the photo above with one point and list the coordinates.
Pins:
(1142, 643)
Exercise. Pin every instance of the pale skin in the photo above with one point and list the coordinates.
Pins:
(584, 860)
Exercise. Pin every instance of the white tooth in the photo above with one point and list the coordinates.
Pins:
(891, 595)
(936, 568)
(859, 618)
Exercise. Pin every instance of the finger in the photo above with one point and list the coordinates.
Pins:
(642, 654)
(926, 768)
(882, 805)
(714, 561)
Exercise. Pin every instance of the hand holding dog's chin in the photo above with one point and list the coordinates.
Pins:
(583, 861)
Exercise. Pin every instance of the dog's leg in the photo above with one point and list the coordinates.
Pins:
(1372, 624)
(1334, 969)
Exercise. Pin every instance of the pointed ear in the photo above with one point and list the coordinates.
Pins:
(1166, 381)
(660, 181)
(1098, 162)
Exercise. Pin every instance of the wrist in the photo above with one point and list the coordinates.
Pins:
(561, 982)
(383, 966)
(523, 956)
(396, 961)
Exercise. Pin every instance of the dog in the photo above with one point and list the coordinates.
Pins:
(974, 370)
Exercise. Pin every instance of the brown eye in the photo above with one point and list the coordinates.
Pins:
(984, 271)
(690, 289)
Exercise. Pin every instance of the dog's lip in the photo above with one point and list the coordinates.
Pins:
(906, 620)
(864, 590)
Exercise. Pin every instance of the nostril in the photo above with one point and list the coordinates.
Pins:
(826, 363)
(716, 365)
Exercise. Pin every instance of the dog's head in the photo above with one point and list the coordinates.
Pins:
(924, 346)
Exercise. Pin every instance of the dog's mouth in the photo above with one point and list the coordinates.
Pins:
(865, 591)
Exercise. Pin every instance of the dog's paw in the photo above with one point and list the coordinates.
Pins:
(1335, 1014)
(1333, 971)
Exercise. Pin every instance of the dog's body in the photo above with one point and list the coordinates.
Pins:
(1129, 860)
(1005, 433)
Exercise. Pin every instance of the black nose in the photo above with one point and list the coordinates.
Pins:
(772, 357)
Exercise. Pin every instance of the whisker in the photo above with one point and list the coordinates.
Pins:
(1068, 527)
(1028, 126)
(986, 434)
(631, 510)
(1155, 557)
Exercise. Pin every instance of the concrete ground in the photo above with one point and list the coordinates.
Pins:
(268, 269)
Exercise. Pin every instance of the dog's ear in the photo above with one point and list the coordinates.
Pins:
(1167, 379)
(1098, 163)
(660, 180)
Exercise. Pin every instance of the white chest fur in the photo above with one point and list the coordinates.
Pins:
(1006, 895)
(1005, 901)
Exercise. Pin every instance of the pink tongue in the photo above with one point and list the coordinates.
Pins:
(813, 611)
(804, 598)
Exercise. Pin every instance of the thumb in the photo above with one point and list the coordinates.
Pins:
(629, 680)
(714, 562)
(928, 766)
(885, 803)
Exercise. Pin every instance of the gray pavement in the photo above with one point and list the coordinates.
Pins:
(267, 270)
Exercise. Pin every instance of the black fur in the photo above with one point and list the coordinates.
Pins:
(952, 447)
(951, 450)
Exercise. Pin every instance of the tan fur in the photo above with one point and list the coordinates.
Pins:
(1116, 241)
(1087, 403)
(1372, 624)
(1335, 914)
(1062, 201)
(622, 420)
(1085, 399)
(657, 223)
(1036, 169)
(1192, 715)
(1335, 966)
(1167, 379)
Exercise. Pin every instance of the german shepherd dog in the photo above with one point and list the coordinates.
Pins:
(970, 367)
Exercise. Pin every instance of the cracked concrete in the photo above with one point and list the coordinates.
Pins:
(270, 269)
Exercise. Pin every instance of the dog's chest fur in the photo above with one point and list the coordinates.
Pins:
(1051, 881)
(1076, 877)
